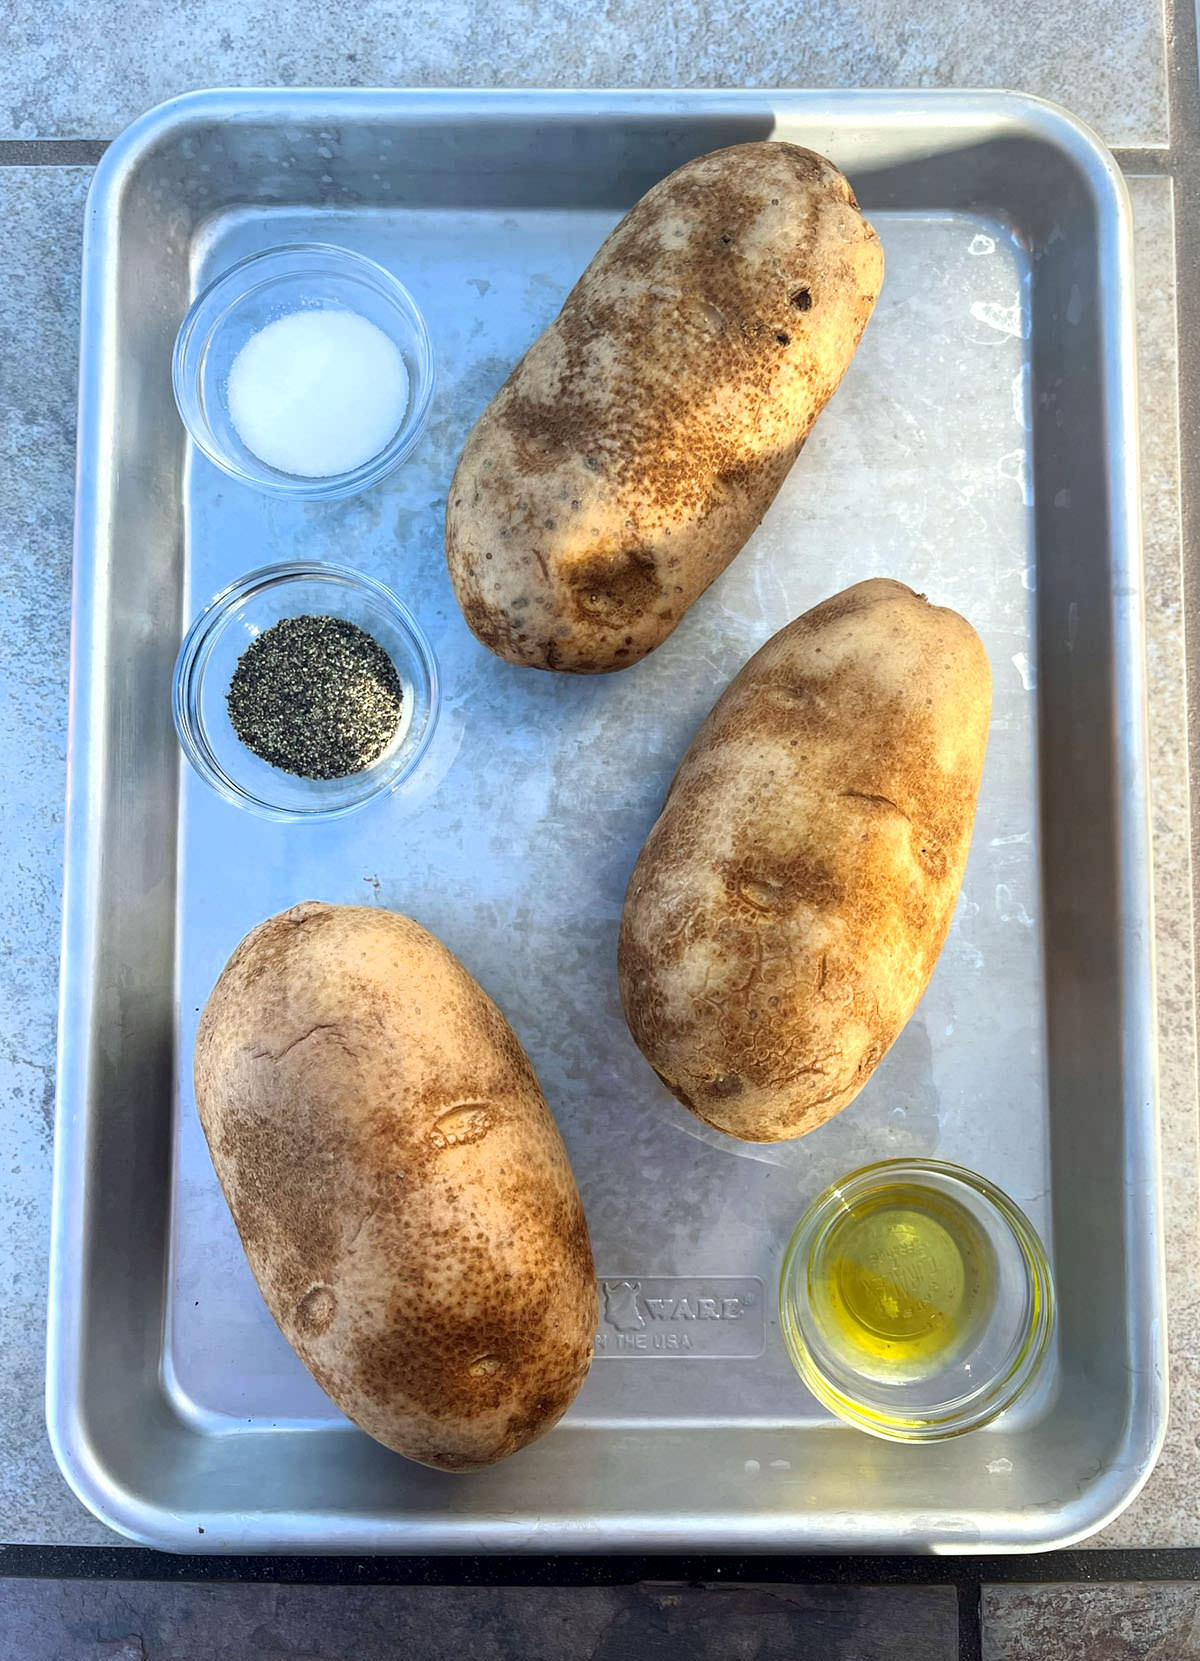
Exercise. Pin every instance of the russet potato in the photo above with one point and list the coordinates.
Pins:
(640, 440)
(789, 904)
(399, 1185)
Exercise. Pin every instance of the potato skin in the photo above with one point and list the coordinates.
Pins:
(399, 1185)
(788, 907)
(638, 443)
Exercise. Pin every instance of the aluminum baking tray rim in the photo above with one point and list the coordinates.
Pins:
(141, 1518)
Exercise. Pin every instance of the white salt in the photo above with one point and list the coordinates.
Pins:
(318, 392)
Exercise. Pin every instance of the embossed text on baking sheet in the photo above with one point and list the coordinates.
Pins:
(659, 1316)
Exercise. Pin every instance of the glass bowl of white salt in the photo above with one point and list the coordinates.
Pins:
(304, 371)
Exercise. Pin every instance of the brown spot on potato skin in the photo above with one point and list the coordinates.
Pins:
(672, 393)
(399, 1185)
(316, 1310)
(611, 587)
(790, 902)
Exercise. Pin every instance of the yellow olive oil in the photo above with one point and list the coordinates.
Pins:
(902, 1284)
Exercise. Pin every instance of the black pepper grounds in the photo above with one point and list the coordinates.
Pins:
(315, 696)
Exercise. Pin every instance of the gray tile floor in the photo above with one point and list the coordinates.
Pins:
(84, 68)
(140, 1621)
(41, 210)
(75, 70)
(1127, 1622)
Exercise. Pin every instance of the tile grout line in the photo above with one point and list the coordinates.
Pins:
(969, 1593)
(1151, 159)
(1076, 1565)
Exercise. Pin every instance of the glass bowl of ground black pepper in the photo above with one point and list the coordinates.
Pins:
(305, 691)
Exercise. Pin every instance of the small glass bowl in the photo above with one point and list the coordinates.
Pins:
(1004, 1342)
(302, 276)
(222, 632)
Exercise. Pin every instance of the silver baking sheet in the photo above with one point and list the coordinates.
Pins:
(982, 450)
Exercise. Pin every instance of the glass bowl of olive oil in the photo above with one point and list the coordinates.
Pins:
(916, 1300)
